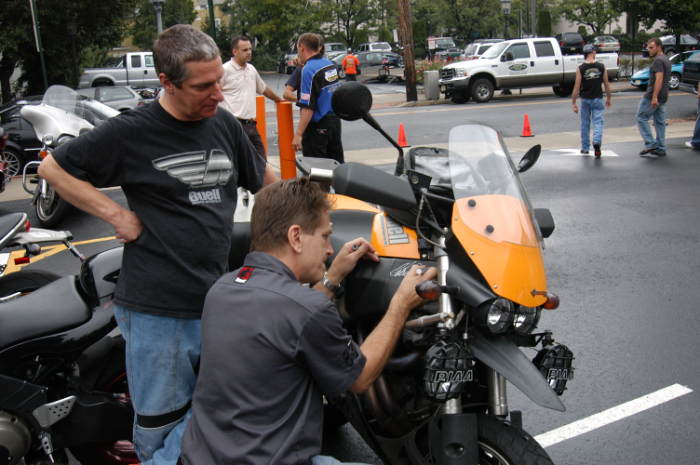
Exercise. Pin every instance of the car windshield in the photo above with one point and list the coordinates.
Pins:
(496, 50)
(481, 169)
(445, 43)
(84, 107)
(381, 46)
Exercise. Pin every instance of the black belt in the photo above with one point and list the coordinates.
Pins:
(247, 121)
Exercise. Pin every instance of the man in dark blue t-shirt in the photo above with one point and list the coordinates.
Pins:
(272, 348)
(318, 132)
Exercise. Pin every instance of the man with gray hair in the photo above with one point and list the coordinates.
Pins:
(179, 161)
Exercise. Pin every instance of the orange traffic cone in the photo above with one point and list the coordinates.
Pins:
(527, 132)
(402, 136)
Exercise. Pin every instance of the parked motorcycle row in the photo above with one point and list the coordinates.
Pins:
(440, 399)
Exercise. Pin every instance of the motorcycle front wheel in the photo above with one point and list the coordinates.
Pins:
(50, 209)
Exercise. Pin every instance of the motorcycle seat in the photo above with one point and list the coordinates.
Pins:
(55, 307)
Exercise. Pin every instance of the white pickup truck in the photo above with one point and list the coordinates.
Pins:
(135, 69)
(516, 64)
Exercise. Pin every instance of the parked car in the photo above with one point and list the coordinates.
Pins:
(688, 42)
(449, 54)
(640, 79)
(120, 98)
(691, 74)
(374, 47)
(375, 65)
(570, 42)
(21, 145)
(478, 47)
(135, 69)
(287, 63)
(332, 47)
(606, 44)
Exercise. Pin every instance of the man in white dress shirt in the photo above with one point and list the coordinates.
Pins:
(240, 85)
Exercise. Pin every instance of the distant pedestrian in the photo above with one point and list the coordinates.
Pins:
(589, 77)
(694, 143)
(653, 103)
(351, 66)
(240, 85)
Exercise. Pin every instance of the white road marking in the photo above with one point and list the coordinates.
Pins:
(612, 415)
(577, 153)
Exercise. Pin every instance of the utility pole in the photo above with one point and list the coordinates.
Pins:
(212, 20)
(533, 17)
(37, 39)
(406, 36)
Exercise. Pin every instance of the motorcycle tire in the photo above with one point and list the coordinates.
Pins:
(25, 281)
(50, 210)
(501, 443)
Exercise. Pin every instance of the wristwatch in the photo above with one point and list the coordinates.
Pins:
(336, 289)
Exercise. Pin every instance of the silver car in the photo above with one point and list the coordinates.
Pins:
(120, 98)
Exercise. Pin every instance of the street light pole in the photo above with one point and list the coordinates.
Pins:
(158, 6)
(37, 39)
(505, 6)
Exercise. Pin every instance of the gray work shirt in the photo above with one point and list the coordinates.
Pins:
(661, 64)
(271, 347)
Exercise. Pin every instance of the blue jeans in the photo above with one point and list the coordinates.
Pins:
(645, 112)
(162, 355)
(696, 133)
(591, 109)
(326, 460)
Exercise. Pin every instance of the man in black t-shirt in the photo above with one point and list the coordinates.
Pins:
(179, 162)
(590, 76)
(264, 405)
(653, 103)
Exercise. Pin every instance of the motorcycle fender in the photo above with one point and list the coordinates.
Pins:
(501, 354)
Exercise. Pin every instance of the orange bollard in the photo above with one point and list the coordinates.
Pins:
(527, 132)
(402, 136)
(260, 120)
(285, 129)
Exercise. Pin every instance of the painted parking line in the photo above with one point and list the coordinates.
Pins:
(577, 153)
(611, 415)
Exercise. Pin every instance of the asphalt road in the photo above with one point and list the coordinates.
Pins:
(625, 260)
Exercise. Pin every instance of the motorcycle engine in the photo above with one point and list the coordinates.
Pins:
(449, 367)
(15, 439)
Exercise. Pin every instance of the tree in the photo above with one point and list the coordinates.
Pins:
(349, 17)
(144, 28)
(467, 19)
(595, 14)
(679, 16)
(68, 29)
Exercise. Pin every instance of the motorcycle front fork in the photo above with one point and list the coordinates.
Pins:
(498, 397)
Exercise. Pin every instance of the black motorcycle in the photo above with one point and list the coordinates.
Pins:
(62, 372)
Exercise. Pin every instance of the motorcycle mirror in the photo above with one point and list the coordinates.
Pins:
(545, 221)
(352, 101)
(373, 185)
(530, 158)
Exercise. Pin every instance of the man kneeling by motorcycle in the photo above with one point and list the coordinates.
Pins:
(272, 347)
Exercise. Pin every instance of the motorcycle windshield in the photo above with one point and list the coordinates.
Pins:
(81, 106)
(492, 217)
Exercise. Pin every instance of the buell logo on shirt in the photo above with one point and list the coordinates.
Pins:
(199, 169)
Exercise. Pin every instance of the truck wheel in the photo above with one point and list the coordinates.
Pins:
(460, 97)
(482, 90)
(562, 90)
(102, 83)
(674, 81)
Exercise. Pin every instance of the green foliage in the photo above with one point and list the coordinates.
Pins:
(544, 23)
(466, 19)
(144, 29)
(595, 14)
(68, 29)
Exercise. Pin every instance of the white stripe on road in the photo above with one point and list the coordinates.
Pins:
(577, 153)
(612, 415)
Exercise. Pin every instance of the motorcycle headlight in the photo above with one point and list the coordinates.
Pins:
(526, 319)
(63, 139)
(496, 315)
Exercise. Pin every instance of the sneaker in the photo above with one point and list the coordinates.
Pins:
(596, 150)
(646, 151)
(659, 152)
(691, 146)
(584, 152)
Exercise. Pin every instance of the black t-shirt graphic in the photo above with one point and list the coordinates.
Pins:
(180, 179)
(591, 80)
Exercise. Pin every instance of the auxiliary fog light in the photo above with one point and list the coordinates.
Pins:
(555, 362)
(526, 319)
(496, 315)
